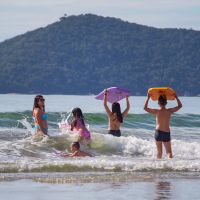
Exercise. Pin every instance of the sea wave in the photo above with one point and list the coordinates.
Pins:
(101, 164)
(147, 121)
(135, 151)
(109, 154)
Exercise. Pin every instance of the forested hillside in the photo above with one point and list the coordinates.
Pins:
(87, 53)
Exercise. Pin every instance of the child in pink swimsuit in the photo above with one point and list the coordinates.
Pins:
(78, 124)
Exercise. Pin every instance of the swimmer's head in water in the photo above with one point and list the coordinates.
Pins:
(162, 100)
(75, 146)
(117, 109)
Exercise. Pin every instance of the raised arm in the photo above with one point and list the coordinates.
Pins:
(105, 104)
(127, 107)
(178, 107)
(146, 108)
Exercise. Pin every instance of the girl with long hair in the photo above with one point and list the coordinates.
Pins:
(39, 115)
(115, 117)
(78, 124)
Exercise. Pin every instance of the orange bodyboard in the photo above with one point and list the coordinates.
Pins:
(156, 92)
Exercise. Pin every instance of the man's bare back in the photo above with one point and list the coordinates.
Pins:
(162, 120)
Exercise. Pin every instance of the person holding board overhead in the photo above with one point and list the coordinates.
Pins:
(162, 115)
(115, 117)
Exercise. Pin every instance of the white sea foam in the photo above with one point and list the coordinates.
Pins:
(124, 154)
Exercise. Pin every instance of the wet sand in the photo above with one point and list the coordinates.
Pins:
(86, 186)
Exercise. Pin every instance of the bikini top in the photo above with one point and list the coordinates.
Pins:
(43, 117)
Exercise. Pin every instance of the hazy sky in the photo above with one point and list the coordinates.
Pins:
(20, 16)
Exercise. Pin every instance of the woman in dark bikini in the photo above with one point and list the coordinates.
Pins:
(115, 117)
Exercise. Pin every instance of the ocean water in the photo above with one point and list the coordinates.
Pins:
(128, 159)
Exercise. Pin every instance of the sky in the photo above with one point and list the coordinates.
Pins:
(20, 16)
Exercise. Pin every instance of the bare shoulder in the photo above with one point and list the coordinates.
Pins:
(112, 116)
(81, 154)
(152, 111)
(171, 110)
(168, 109)
(36, 111)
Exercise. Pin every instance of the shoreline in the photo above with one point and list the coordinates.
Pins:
(97, 177)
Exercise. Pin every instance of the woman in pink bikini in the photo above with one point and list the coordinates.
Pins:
(78, 124)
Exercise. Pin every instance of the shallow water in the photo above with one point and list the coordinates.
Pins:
(134, 151)
(120, 168)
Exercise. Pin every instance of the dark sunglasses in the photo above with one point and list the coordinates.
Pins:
(41, 99)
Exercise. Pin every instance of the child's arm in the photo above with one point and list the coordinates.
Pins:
(146, 108)
(72, 125)
(65, 154)
(178, 107)
(105, 103)
(127, 107)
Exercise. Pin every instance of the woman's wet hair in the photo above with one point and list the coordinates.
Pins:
(76, 145)
(77, 113)
(162, 100)
(117, 109)
(36, 101)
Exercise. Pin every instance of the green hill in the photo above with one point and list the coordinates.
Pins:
(87, 53)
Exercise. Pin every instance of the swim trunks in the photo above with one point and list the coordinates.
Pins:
(162, 136)
(116, 133)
